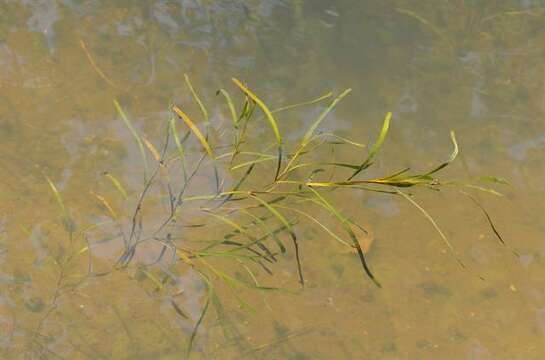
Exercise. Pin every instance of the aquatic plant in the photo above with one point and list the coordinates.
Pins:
(224, 199)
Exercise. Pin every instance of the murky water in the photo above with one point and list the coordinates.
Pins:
(475, 67)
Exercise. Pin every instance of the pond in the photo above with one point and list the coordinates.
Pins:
(86, 92)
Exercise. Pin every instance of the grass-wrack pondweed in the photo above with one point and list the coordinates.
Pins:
(256, 199)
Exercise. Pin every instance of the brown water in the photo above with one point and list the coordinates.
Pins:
(475, 67)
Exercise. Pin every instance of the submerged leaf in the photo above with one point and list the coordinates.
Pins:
(231, 106)
(312, 129)
(194, 129)
(66, 219)
(494, 179)
(197, 98)
(58, 197)
(376, 146)
(450, 159)
(263, 107)
(307, 138)
(270, 118)
(179, 146)
(106, 204)
(289, 227)
(346, 225)
(489, 220)
(309, 102)
(152, 149)
(117, 185)
(134, 133)
(437, 228)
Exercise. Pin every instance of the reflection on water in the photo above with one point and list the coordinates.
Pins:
(472, 66)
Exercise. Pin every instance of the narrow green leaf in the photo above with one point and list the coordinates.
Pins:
(117, 185)
(231, 106)
(317, 222)
(346, 225)
(66, 219)
(197, 98)
(490, 222)
(307, 138)
(309, 102)
(194, 129)
(288, 226)
(263, 107)
(376, 146)
(437, 228)
(450, 159)
(58, 197)
(179, 146)
(270, 118)
(197, 325)
(135, 135)
(310, 132)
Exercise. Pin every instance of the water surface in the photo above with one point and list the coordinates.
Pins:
(475, 67)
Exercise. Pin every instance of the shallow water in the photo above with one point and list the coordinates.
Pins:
(475, 67)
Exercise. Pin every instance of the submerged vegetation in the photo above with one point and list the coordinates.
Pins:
(175, 228)
(214, 198)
